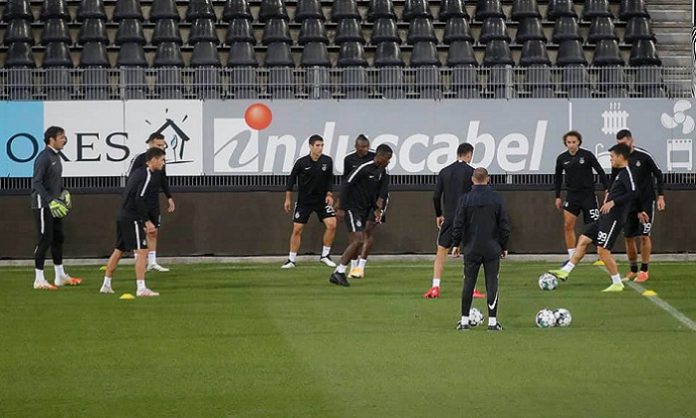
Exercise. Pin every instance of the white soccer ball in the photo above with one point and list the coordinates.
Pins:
(475, 317)
(545, 319)
(563, 317)
(548, 281)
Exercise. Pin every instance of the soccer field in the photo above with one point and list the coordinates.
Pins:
(252, 340)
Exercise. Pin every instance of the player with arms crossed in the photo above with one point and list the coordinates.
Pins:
(641, 215)
(578, 164)
(360, 201)
(159, 181)
(313, 174)
(133, 222)
(603, 232)
(452, 182)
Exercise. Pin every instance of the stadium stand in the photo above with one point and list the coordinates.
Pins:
(169, 49)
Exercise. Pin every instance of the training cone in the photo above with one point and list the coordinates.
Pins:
(649, 293)
(102, 268)
(598, 263)
(127, 296)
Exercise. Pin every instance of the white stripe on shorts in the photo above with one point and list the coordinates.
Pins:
(352, 221)
(137, 235)
(43, 223)
(611, 231)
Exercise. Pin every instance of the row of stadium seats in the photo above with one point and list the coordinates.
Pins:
(311, 9)
(314, 43)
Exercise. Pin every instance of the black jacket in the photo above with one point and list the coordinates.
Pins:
(47, 181)
(364, 186)
(481, 225)
(646, 175)
(159, 179)
(139, 191)
(453, 181)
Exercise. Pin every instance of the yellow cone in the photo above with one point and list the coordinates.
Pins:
(127, 296)
(102, 268)
(649, 293)
(598, 263)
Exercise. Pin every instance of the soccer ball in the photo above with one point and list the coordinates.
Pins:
(545, 319)
(475, 317)
(563, 317)
(548, 281)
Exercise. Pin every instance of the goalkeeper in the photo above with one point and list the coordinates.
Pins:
(50, 203)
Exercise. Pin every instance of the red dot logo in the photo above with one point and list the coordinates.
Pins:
(258, 116)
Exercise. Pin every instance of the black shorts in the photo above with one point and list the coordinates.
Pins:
(303, 211)
(633, 226)
(356, 219)
(585, 202)
(153, 215)
(604, 231)
(130, 235)
(444, 234)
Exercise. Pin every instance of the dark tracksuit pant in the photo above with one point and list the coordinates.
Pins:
(49, 235)
(491, 268)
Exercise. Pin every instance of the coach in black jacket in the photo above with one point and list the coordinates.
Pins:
(481, 229)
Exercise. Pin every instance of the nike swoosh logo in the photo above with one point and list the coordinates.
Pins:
(53, 163)
(567, 162)
(495, 302)
(307, 168)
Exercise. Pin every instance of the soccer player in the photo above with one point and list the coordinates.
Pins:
(361, 201)
(47, 186)
(363, 154)
(134, 222)
(603, 231)
(159, 181)
(641, 215)
(452, 182)
(313, 174)
(578, 164)
(480, 233)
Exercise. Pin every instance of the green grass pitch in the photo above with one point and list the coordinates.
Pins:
(251, 340)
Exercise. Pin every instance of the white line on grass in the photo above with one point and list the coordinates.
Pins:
(665, 307)
(661, 303)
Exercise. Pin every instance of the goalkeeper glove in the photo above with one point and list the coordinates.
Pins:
(66, 198)
(58, 208)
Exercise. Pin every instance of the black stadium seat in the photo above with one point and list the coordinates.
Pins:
(91, 9)
(308, 9)
(596, 8)
(93, 30)
(452, 9)
(566, 29)
(242, 55)
(19, 30)
(638, 28)
(239, 30)
(272, 9)
(55, 30)
(276, 30)
(312, 31)
(200, 9)
(164, 9)
(530, 29)
(380, 9)
(130, 31)
(602, 28)
(54, 9)
(17, 9)
(344, 9)
(237, 9)
(128, 9)
(166, 30)
(421, 30)
(558, 8)
(384, 30)
(457, 29)
(414, 9)
(494, 28)
(348, 30)
(352, 54)
(522, 9)
(203, 30)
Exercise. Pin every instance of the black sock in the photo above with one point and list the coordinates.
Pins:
(634, 267)
(644, 267)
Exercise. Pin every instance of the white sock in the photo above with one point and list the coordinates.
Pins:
(568, 267)
(39, 275)
(616, 279)
(362, 262)
(436, 282)
(152, 257)
(465, 319)
(341, 268)
(107, 282)
(571, 251)
(60, 272)
(492, 321)
(325, 251)
(353, 264)
(292, 256)
(141, 285)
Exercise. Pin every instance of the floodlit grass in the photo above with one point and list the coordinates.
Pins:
(252, 340)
